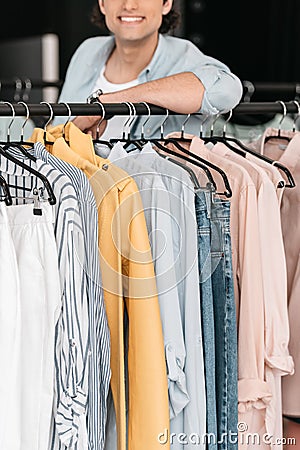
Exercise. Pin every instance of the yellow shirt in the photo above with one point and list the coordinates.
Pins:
(127, 272)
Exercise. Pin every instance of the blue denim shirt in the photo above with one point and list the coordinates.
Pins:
(223, 89)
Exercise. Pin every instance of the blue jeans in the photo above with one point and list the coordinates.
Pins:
(203, 208)
(225, 326)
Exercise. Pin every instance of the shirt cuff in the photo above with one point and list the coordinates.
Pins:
(283, 364)
(67, 418)
(223, 91)
(178, 395)
(253, 394)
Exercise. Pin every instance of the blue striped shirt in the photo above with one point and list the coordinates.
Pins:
(99, 332)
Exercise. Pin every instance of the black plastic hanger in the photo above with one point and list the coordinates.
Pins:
(191, 157)
(97, 140)
(45, 181)
(18, 144)
(197, 163)
(67, 121)
(3, 151)
(126, 133)
(187, 169)
(5, 188)
(242, 149)
(47, 123)
(279, 136)
(224, 139)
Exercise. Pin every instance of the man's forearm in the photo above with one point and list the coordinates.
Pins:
(182, 93)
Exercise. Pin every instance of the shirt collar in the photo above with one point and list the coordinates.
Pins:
(291, 154)
(117, 152)
(81, 143)
(148, 149)
(62, 150)
(106, 50)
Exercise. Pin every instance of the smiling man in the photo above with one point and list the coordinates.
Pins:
(141, 61)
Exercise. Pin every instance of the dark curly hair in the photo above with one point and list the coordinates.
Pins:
(170, 21)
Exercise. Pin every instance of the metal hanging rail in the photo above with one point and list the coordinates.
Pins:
(120, 109)
(266, 87)
(257, 86)
(267, 91)
(28, 83)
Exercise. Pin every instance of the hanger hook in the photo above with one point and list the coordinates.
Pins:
(202, 124)
(226, 122)
(134, 114)
(12, 120)
(183, 125)
(250, 90)
(147, 119)
(26, 120)
(163, 124)
(51, 114)
(68, 119)
(297, 116)
(103, 113)
(284, 115)
(127, 121)
(18, 89)
(213, 124)
(27, 90)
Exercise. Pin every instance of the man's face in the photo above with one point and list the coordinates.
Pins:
(134, 20)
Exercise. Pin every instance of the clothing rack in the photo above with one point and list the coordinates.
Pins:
(265, 86)
(258, 86)
(267, 91)
(114, 109)
(261, 91)
(19, 84)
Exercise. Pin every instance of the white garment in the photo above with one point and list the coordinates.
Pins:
(115, 125)
(29, 415)
(71, 337)
(10, 331)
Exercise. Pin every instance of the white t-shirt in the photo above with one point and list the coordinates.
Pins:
(114, 126)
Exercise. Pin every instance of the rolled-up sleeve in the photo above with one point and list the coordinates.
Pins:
(223, 90)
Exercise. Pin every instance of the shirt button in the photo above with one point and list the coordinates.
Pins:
(105, 167)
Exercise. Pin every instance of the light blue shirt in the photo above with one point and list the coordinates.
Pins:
(192, 419)
(157, 209)
(223, 89)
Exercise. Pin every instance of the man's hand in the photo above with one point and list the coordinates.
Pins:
(182, 92)
(89, 124)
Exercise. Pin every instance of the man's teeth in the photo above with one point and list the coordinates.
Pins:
(131, 19)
